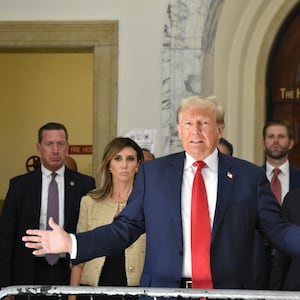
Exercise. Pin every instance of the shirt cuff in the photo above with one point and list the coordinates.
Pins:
(73, 254)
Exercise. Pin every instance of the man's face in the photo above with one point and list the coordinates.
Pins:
(198, 130)
(277, 143)
(53, 149)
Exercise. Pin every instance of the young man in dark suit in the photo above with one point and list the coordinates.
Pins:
(26, 206)
(278, 139)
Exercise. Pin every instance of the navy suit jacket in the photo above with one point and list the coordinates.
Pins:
(286, 270)
(21, 210)
(264, 252)
(244, 203)
(294, 178)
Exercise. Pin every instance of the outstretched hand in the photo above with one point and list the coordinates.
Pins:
(56, 240)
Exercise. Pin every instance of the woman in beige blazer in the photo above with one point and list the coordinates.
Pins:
(120, 163)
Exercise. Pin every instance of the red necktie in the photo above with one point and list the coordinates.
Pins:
(276, 185)
(52, 211)
(200, 233)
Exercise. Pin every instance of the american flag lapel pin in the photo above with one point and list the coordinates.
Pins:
(229, 175)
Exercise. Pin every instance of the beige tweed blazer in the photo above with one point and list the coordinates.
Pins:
(96, 213)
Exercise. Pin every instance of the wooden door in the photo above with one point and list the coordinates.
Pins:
(283, 79)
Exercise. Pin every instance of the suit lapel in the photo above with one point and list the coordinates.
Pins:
(70, 184)
(226, 176)
(174, 173)
(294, 178)
(36, 192)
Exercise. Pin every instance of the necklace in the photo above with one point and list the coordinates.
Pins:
(119, 203)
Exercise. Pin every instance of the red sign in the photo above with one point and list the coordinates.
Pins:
(80, 149)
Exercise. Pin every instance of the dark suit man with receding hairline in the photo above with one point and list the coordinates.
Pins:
(26, 206)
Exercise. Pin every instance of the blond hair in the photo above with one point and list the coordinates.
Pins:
(210, 101)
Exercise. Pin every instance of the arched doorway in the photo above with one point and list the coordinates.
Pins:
(283, 78)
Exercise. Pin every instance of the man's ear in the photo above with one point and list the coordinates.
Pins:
(263, 144)
(292, 143)
(38, 145)
(178, 130)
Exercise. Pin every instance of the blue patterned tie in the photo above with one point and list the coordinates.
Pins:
(52, 211)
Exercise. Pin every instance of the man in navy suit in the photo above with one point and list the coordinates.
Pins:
(239, 199)
(278, 140)
(26, 206)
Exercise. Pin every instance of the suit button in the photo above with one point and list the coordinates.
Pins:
(130, 268)
(180, 253)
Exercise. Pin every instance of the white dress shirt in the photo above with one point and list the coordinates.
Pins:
(210, 176)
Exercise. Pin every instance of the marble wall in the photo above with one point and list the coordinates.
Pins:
(187, 59)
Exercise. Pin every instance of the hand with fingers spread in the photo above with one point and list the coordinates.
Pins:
(56, 240)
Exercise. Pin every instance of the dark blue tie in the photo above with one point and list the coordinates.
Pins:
(52, 211)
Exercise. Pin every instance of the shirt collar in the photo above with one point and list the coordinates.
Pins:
(211, 160)
(284, 168)
(47, 172)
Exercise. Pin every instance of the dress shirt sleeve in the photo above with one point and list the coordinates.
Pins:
(73, 254)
